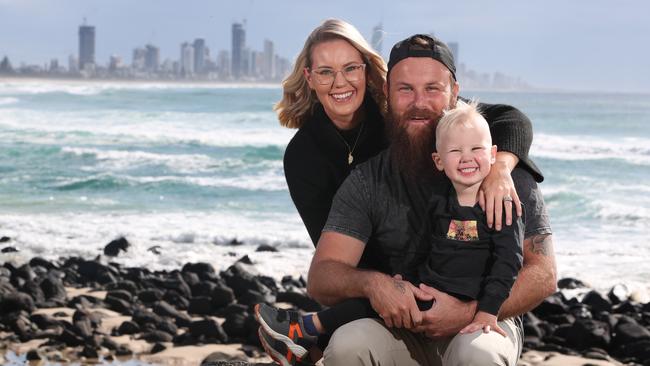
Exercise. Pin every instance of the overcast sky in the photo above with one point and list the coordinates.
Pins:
(584, 45)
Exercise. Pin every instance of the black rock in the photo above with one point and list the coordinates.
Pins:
(552, 305)
(570, 283)
(121, 294)
(235, 242)
(164, 309)
(580, 311)
(209, 329)
(266, 248)
(533, 330)
(288, 282)
(157, 348)
(252, 297)
(561, 319)
(144, 317)
(113, 248)
(245, 260)
(222, 296)
(626, 333)
(25, 272)
(167, 327)
(33, 355)
(44, 321)
(300, 300)
(221, 358)
(9, 250)
(627, 307)
(638, 350)
(128, 327)
(200, 305)
(70, 338)
(191, 279)
(150, 296)
(93, 271)
(5, 239)
(119, 305)
(179, 301)
(108, 343)
(205, 271)
(15, 302)
(178, 284)
(588, 333)
(94, 318)
(83, 328)
(597, 302)
(54, 290)
(203, 288)
(618, 294)
(123, 350)
(157, 336)
(125, 285)
(40, 262)
(34, 291)
(240, 326)
(85, 301)
(156, 249)
(89, 352)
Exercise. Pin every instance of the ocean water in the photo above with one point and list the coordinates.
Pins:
(190, 167)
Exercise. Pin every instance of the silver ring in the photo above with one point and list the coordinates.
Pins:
(507, 199)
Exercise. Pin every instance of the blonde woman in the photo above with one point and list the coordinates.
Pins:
(334, 98)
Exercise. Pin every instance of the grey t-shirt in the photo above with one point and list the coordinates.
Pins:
(378, 206)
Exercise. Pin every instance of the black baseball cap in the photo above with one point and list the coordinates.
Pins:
(414, 47)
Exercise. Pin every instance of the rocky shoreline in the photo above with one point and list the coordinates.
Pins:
(80, 310)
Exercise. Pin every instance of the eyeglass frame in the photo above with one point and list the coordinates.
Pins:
(363, 66)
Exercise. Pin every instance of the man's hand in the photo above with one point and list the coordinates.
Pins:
(497, 185)
(485, 321)
(394, 300)
(447, 316)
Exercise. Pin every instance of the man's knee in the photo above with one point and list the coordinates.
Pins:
(479, 348)
(357, 343)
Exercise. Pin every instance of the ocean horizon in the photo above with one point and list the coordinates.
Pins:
(189, 167)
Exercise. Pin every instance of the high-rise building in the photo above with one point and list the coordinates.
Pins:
(199, 55)
(73, 63)
(223, 64)
(139, 58)
(377, 39)
(86, 47)
(152, 58)
(453, 46)
(187, 59)
(268, 69)
(238, 45)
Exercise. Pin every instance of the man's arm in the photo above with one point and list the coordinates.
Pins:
(333, 277)
(537, 279)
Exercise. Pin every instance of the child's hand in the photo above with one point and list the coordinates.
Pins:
(485, 321)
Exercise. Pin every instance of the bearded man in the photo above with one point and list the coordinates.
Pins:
(377, 232)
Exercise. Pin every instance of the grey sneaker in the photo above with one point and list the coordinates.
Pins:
(286, 327)
(279, 352)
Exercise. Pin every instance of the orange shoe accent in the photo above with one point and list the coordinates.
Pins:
(293, 328)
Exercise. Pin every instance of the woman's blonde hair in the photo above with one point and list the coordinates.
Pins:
(298, 100)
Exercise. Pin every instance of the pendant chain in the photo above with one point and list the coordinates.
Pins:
(351, 150)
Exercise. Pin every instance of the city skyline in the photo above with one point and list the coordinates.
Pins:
(551, 44)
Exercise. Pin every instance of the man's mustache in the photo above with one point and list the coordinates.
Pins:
(423, 113)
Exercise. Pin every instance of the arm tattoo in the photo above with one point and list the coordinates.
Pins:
(539, 245)
(399, 285)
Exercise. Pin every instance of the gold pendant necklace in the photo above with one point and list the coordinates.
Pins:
(351, 150)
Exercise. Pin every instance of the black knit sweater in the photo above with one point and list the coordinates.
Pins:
(316, 159)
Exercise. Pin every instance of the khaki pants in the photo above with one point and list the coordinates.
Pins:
(368, 342)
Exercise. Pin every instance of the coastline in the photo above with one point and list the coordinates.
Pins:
(79, 310)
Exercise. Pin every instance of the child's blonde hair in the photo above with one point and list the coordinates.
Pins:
(463, 114)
